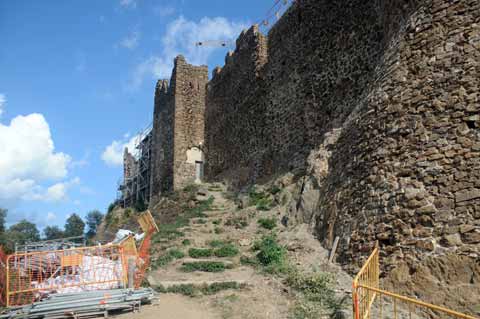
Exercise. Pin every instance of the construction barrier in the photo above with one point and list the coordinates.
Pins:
(369, 301)
(29, 276)
(3, 275)
(149, 227)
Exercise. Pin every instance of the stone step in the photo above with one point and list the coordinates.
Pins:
(167, 284)
(225, 261)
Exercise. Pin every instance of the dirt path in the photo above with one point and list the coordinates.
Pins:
(171, 306)
(261, 296)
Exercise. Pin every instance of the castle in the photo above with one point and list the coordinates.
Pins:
(378, 102)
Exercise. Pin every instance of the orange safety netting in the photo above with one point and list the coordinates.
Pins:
(29, 276)
(3, 276)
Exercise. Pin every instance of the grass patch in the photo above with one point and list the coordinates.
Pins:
(200, 252)
(228, 250)
(201, 221)
(205, 266)
(186, 289)
(268, 223)
(194, 290)
(259, 199)
(168, 257)
(316, 295)
(170, 231)
(271, 255)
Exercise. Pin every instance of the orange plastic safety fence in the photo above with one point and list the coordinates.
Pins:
(3, 277)
(143, 260)
(31, 275)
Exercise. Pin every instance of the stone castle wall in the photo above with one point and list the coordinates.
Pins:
(190, 86)
(235, 113)
(178, 126)
(378, 102)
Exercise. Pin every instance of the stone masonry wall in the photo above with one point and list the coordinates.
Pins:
(162, 145)
(190, 86)
(235, 116)
(178, 125)
(405, 168)
(389, 90)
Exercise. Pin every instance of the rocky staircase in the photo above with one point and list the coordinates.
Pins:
(207, 233)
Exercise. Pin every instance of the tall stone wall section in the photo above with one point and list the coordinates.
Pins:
(405, 168)
(190, 86)
(162, 134)
(378, 102)
(235, 115)
(178, 125)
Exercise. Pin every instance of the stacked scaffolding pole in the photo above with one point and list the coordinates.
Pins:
(83, 304)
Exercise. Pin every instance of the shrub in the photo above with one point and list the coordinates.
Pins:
(259, 199)
(205, 266)
(275, 190)
(200, 252)
(316, 294)
(218, 230)
(217, 222)
(228, 250)
(271, 255)
(168, 257)
(267, 223)
(186, 242)
(140, 206)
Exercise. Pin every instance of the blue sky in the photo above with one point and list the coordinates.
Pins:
(76, 85)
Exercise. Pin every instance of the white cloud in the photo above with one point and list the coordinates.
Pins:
(113, 153)
(164, 11)
(180, 38)
(28, 160)
(131, 40)
(51, 216)
(128, 3)
(3, 101)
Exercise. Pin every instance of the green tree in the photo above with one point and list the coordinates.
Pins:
(53, 232)
(94, 219)
(74, 226)
(21, 233)
(3, 217)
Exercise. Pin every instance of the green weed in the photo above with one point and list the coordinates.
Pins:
(228, 250)
(205, 266)
(268, 223)
(200, 252)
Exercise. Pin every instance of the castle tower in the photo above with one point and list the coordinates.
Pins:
(178, 128)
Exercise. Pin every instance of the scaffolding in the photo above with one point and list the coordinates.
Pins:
(136, 185)
(53, 244)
